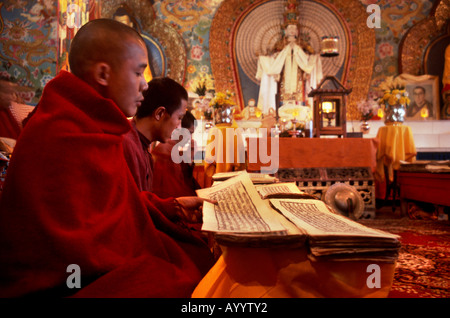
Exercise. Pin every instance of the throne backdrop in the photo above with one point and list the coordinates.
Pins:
(243, 29)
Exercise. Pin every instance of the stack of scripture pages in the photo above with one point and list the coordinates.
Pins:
(244, 217)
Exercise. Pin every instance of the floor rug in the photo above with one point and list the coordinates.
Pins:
(423, 266)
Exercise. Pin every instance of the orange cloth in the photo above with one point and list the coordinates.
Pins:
(321, 152)
(396, 143)
(219, 150)
(285, 273)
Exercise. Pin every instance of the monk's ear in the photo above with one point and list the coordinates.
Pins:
(159, 112)
(102, 72)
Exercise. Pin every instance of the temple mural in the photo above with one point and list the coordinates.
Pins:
(34, 37)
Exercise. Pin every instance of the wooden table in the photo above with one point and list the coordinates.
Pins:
(424, 186)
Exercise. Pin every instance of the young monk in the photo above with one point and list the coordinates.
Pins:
(161, 112)
(172, 178)
(72, 220)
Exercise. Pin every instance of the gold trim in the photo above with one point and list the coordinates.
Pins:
(171, 41)
(418, 38)
(442, 13)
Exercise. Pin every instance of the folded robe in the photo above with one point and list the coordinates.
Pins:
(69, 198)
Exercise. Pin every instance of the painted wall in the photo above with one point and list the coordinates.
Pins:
(29, 42)
(28, 45)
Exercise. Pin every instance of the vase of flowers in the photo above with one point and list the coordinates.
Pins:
(394, 101)
(367, 109)
(202, 84)
(223, 108)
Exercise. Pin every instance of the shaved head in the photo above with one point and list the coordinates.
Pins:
(101, 40)
(111, 57)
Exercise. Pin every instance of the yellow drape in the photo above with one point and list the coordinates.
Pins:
(221, 148)
(396, 143)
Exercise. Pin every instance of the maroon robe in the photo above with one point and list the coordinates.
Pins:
(171, 179)
(136, 151)
(140, 162)
(69, 198)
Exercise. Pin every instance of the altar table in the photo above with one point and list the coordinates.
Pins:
(288, 273)
(321, 153)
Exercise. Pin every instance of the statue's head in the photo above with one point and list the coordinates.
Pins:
(291, 30)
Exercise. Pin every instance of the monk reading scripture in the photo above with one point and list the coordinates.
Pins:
(161, 112)
(72, 220)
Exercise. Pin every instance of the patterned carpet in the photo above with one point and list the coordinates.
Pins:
(423, 266)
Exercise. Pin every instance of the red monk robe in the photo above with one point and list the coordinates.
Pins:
(171, 179)
(140, 162)
(69, 198)
(137, 155)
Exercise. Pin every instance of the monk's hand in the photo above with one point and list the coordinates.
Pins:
(190, 208)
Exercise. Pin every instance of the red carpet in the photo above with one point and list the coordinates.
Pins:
(423, 266)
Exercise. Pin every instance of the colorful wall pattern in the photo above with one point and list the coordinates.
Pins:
(29, 41)
(28, 45)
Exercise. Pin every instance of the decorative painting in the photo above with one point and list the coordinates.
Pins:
(419, 36)
(361, 37)
(29, 39)
(423, 46)
(166, 46)
(71, 16)
(28, 45)
(191, 19)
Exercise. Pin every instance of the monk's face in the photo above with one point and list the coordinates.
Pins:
(171, 122)
(128, 83)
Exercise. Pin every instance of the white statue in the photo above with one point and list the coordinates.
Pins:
(301, 72)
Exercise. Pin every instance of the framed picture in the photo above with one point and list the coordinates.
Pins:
(423, 92)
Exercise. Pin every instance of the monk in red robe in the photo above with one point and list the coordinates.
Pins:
(171, 178)
(161, 112)
(72, 220)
